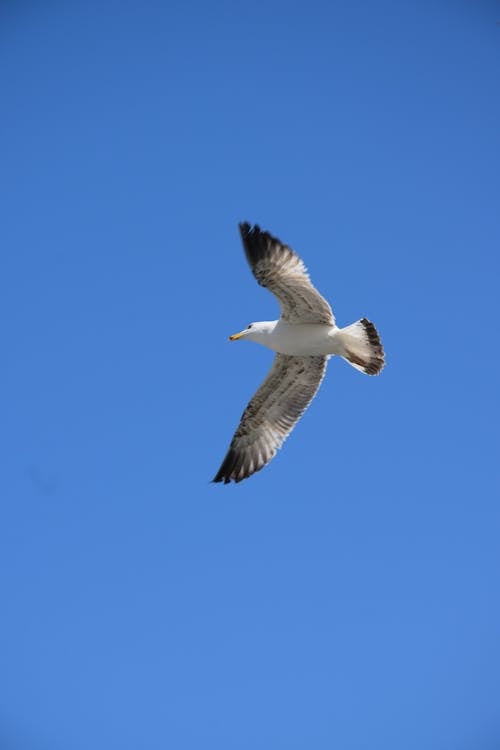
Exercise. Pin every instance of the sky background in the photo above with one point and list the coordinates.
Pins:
(347, 596)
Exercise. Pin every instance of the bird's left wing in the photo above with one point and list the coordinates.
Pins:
(271, 415)
(278, 268)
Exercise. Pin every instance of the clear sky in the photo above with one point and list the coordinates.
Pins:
(347, 596)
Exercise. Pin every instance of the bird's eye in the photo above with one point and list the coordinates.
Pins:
(250, 325)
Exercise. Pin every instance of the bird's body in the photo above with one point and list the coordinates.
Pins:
(303, 338)
(298, 339)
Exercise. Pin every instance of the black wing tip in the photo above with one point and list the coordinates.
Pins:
(251, 233)
(227, 468)
(223, 478)
(257, 242)
(245, 228)
(219, 478)
(234, 468)
(255, 232)
(224, 473)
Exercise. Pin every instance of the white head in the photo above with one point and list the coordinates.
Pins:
(258, 332)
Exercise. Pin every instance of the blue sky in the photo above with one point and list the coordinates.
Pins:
(347, 596)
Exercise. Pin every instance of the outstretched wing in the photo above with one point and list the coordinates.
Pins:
(271, 415)
(279, 269)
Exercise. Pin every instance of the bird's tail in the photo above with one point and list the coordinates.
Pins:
(362, 347)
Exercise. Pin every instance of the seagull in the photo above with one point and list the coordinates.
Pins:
(304, 338)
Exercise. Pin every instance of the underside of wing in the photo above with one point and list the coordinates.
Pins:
(271, 415)
(278, 268)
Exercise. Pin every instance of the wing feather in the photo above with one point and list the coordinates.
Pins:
(278, 268)
(271, 415)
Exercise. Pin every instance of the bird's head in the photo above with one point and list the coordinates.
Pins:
(255, 331)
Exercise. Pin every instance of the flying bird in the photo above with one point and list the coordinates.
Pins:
(304, 338)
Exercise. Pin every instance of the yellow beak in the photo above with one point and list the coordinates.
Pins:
(236, 336)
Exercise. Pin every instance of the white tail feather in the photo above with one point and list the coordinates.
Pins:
(362, 347)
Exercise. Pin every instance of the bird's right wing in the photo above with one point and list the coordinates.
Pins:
(271, 415)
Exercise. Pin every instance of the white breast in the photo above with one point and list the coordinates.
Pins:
(307, 340)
